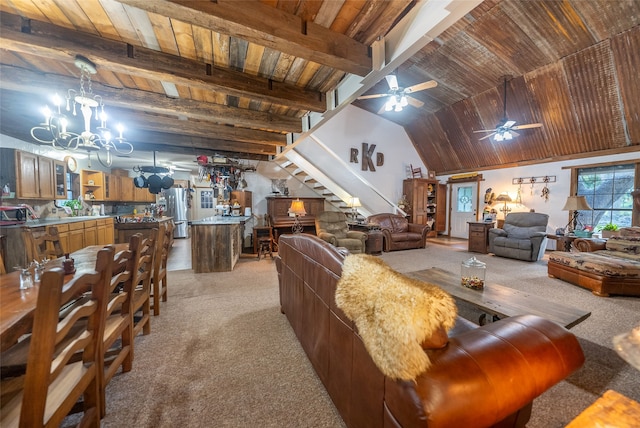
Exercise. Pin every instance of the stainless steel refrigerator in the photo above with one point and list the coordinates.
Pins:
(176, 207)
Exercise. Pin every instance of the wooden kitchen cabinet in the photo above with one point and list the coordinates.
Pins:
(34, 176)
(104, 230)
(76, 237)
(427, 199)
(92, 183)
(90, 233)
(60, 174)
(126, 188)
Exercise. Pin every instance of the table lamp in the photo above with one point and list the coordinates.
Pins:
(354, 203)
(504, 197)
(575, 204)
(297, 209)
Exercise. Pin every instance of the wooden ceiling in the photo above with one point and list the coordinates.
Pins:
(205, 77)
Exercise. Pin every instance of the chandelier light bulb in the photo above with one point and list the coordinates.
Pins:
(57, 101)
(120, 130)
(47, 114)
(63, 125)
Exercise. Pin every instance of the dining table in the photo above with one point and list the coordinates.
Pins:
(17, 306)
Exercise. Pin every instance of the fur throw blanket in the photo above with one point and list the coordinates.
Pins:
(394, 314)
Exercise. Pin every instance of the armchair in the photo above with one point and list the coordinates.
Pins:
(331, 226)
(523, 236)
(398, 233)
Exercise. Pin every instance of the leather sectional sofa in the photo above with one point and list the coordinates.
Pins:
(483, 376)
(398, 233)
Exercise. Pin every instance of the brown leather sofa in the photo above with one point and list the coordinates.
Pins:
(398, 233)
(484, 376)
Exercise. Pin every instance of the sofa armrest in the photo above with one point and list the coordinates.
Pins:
(418, 228)
(497, 369)
(497, 232)
(329, 237)
(589, 245)
(355, 234)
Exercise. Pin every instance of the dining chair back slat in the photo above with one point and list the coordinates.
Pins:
(159, 278)
(141, 300)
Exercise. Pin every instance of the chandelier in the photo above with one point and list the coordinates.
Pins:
(54, 131)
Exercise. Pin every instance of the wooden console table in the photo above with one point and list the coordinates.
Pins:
(501, 301)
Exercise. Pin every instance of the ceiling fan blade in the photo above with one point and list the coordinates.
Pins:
(528, 126)
(485, 130)
(414, 102)
(392, 80)
(421, 86)
(514, 133)
(486, 136)
(509, 123)
(383, 108)
(367, 97)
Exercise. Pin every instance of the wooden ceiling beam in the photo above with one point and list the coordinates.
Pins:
(150, 140)
(270, 27)
(61, 44)
(188, 128)
(27, 81)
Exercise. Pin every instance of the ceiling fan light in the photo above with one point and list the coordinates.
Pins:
(498, 137)
(403, 101)
(398, 107)
(388, 106)
(507, 135)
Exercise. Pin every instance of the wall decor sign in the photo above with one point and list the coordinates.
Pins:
(367, 157)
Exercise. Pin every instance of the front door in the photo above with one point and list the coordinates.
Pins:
(463, 208)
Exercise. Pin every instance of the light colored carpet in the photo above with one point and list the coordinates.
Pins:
(221, 353)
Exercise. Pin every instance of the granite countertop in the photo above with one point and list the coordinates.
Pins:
(53, 221)
(218, 219)
(147, 224)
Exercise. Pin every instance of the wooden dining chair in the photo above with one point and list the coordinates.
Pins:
(159, 277)
(53, 382)
(42, 246)
(141, 298)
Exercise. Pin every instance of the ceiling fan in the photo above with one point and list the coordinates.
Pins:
(505, 129)
(398, 97)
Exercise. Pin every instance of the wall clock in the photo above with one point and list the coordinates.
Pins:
(72, 163)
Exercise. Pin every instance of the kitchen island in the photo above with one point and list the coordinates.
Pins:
(127, 226)
(216, 243)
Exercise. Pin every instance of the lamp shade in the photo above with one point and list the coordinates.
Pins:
(297, 208)
(504, 197)
(354, 202)
(576, 203)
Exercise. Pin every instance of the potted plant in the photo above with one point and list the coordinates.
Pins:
(609, 230)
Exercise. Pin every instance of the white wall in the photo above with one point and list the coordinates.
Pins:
(354, 126)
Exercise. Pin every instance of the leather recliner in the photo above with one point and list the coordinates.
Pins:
(398, 233)
(332, 226)
(523, 236)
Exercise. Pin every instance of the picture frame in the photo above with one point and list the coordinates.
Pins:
(432, 174)
(489, 217)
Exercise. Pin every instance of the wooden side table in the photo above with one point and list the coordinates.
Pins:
(479, 236)
(563, 242)
(611, 410)
(373, 245)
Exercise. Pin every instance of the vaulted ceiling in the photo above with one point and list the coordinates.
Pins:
(235, 77)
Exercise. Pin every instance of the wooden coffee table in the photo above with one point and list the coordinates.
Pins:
(500, 301)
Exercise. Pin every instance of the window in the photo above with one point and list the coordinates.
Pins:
(465, 193)
(608, 192)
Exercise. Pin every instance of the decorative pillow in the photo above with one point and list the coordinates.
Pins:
(395, 315)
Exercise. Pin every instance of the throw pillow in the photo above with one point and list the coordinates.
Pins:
(520, 232)
(394, 314)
